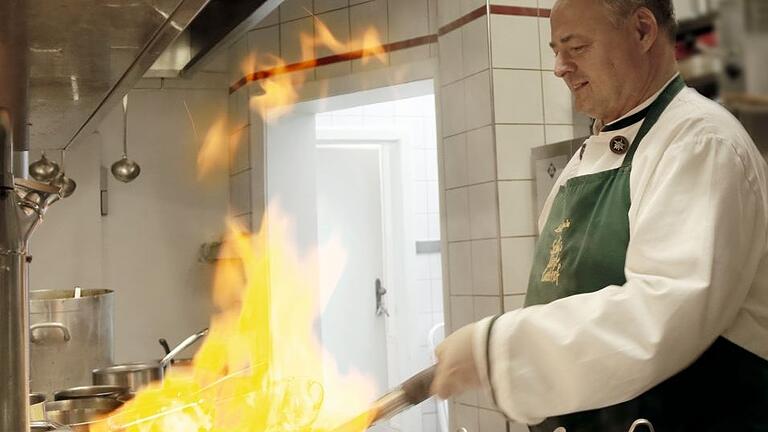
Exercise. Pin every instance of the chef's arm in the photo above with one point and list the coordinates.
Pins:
(697, 233)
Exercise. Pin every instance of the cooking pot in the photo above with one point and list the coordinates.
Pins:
(69, 337)
(138, 375)
(107, 391)
(46, 426)
(36, 410)
(79, 414)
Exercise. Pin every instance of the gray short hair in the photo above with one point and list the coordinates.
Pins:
(663, 10)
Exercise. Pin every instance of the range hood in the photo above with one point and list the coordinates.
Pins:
(85, 55)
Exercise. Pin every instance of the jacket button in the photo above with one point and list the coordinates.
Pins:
(560, 429)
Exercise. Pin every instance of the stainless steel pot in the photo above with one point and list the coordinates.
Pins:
(46, 426)
(79, 414)
(36, 410)
(107, 391)
(69, 337)
(138, 375)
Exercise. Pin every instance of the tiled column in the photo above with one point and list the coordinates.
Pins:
(499, 98)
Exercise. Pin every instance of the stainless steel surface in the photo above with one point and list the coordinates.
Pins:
(14, 331)
(65, 184)
(182, 346)
(15, 68)
(36, 410)
(85, 55)
(46, 426)
(107, 391)
(125, 170)
(78, 414)
(131, 375)
(70, 337)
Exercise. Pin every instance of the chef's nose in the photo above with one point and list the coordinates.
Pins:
(563, 65)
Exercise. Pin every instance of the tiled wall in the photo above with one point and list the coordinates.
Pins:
(499, 98)
(279, 35)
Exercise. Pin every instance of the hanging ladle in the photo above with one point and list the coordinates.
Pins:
(65, 184)
(44, 169)
(125, 169)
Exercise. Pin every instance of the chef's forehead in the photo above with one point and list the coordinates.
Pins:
(575, 19)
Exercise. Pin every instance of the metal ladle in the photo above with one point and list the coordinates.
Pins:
(125, 169)
(65, 184)
(44, 169)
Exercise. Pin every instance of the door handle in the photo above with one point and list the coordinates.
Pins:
(380, 292)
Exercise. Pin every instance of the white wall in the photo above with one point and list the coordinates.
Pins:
(146, 248)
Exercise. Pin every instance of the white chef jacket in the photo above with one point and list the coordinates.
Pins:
(696, 268)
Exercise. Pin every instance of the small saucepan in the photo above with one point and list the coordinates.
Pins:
(80, 414)
(107, 391)
(36, 410)
(134, 376)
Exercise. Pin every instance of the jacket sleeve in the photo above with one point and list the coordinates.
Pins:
(696, 238)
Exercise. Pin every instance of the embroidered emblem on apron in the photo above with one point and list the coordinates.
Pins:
(619, 144)
(552, 270)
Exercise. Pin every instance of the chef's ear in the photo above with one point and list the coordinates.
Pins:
(646, 28)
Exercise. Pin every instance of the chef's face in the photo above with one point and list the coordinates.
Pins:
(597, 57)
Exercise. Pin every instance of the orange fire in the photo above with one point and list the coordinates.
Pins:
(261, 367)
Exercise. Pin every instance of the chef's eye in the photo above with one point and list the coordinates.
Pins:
(578, 49)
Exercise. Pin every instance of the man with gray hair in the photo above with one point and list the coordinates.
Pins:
(648, 294)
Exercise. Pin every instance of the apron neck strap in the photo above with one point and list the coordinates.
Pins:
(654, 112)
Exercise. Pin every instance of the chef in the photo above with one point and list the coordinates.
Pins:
(648, 294)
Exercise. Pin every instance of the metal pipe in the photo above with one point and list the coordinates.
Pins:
(14, 301)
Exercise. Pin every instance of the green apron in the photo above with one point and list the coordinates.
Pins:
(582, 249)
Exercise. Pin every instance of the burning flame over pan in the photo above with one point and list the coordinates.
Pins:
(261, 367)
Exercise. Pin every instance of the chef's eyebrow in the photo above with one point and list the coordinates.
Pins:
(563, 40)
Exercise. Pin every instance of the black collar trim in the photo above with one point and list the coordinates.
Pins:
(626, 121)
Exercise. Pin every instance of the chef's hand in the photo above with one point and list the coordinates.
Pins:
(456, 370)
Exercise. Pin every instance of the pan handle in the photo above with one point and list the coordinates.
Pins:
(417, 387)
(58, 325)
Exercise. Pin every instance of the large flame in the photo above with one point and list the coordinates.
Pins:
(261, 367)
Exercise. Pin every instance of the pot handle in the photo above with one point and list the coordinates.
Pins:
(60, 326)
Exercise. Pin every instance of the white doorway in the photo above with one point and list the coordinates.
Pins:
(363, 167)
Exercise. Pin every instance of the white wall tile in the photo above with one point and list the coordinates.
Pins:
(475, 46)
(451, 59)
(557, 100)
(517, 96)
(409, 55)
(468, 6)
(517, 427)
(515, 42)
(240, 193)
(326, 5)
(462, 311)
(433, 198)
(486, 273)
(556, 133)
(516, 208)
(263, 47)
(237, 54)
(290, 39)
(239, 150)
(408, 19)
(293, 9)
(363, 17)
(337, 22)
(455, 153)
(483, 211)
(448, 11)
(238, 110)
(512, 302)
(477, 90)
(453, 108)
(491, 421)
(432, 6)
(272, 19)
(516, 258)
(486, 306)
(545, 36)
(460, 267)
(546, 4)
(513, 146)
(457, 214)
(464, 417)
(481, 155)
